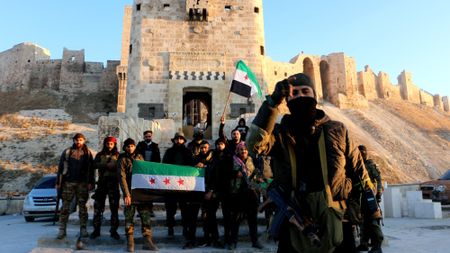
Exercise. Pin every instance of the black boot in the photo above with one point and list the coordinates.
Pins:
(115, 235)
(95, 233)
(376, 248)
(363, 246)
(84, 233)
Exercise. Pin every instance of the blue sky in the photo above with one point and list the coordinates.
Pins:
(388, 35)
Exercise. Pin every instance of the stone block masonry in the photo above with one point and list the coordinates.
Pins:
(28, 66)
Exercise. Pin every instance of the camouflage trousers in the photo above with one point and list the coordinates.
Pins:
(69, 191)
(371, 229)
(144, 213)
(107, 187)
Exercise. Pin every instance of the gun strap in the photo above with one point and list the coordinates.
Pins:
(293, 166)
(323, 162)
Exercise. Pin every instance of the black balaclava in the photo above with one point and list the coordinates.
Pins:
(303, 109)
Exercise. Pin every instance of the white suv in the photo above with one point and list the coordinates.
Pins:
(41, 201)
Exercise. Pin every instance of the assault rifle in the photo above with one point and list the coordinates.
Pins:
(372, 205)
(58, 196)
(290, 210)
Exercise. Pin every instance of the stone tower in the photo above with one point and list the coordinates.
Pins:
(180, 59)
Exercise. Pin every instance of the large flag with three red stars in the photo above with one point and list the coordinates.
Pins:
(161, 176)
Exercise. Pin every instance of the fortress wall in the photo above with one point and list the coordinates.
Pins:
(310, 65)
(386, 89)
(446, 104)
(28, 66)
(408, 90)
(45, 74)
(367, 83)
(351, 80)
(437, 101)
(343, 83)
(15, 65)
(93, 67)
(277, 71)
(426, 98)
(337, 77)
(108, 79)
(72, 69)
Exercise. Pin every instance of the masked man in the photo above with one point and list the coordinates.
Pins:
(313, 158)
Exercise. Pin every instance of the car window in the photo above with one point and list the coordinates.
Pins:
(46, 183)
(446, 176)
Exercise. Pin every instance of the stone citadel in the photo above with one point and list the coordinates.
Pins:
(178, 59)
(28, 66)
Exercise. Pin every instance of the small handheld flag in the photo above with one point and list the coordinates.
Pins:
(244, 82)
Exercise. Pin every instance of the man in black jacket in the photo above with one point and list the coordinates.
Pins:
(179, 154)
(149, 149)
(75, 178)
(150, 152)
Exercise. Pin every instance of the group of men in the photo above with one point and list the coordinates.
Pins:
(76, 177)
(313, 159)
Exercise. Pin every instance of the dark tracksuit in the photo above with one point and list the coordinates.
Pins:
(181, 155)
(219, 177)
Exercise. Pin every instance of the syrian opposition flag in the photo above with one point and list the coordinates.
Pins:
(245, 82)
(160, 176)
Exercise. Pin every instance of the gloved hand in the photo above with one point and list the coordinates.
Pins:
(378, 197)
(282, 90)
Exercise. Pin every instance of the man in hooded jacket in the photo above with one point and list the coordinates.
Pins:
(313, 158)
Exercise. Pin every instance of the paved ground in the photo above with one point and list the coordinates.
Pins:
(404, 235)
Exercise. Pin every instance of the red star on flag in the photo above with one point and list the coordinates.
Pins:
(152, 180)
(180, 181)
(246, 77)
(166, 181)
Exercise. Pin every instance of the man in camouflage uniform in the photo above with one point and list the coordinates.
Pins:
(107, 186)
(75, 178)
(371, 227)
(125, 166)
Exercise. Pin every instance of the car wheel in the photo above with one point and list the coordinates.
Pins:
(29, 219)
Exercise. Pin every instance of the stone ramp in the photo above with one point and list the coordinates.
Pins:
(104, 243)
(49, 244)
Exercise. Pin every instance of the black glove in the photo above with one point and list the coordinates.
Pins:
(281, 91)
(378, 197)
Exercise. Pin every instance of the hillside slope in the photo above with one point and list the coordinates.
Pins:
(411, 143)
